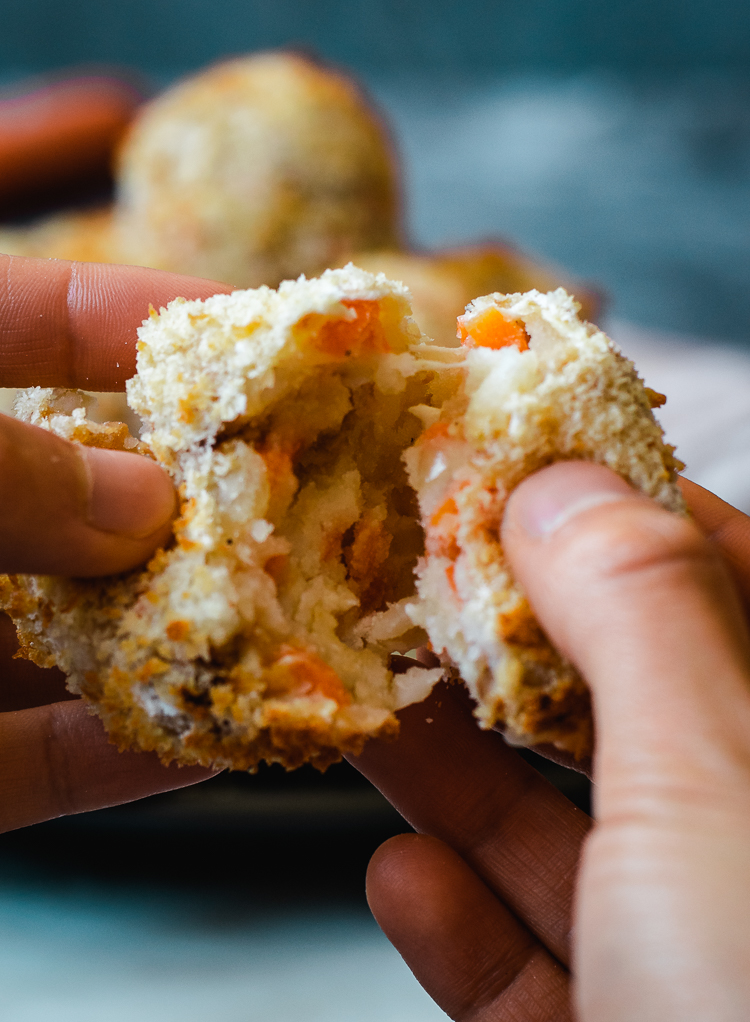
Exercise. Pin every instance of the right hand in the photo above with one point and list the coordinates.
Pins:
(502, 883)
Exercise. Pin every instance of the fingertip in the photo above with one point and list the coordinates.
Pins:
(129, 495)
(547, 500)
(402, 876)
(459, 939)
(640, 602)
(387, 860)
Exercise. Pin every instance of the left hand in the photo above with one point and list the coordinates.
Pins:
(65, 509)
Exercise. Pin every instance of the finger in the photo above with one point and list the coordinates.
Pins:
(466, 949)
(632, 594)
(66, 509)
(465, 786)
(725, 526)
(66, 324)
(56, 761)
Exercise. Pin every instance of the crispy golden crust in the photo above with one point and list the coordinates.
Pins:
(258, 169)
(283, 739)
(112, 436)
(288, 735)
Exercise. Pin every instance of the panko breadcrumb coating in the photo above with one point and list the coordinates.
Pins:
(265, 631)
(342, 483)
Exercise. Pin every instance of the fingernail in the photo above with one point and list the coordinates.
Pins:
(551, 498)
(128, 494)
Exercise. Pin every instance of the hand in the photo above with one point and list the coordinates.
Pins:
(481, 901)
(70, 510)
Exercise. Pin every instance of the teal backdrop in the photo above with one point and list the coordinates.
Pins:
(612, 137)
(471, 37)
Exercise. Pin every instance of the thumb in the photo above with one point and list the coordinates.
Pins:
(72, 510)
(641, 602)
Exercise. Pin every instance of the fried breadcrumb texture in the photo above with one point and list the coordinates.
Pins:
(539, 386)
(342, 483)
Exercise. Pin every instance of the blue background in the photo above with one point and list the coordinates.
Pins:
(385, 35)
(613, 138)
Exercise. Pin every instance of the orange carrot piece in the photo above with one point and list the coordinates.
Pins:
(311, 675)
(450, 574)
(491, 329)
(437, 429)
(178, 631)
(278, 463)
(360, 336)
(441, 531)
(449, 507)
